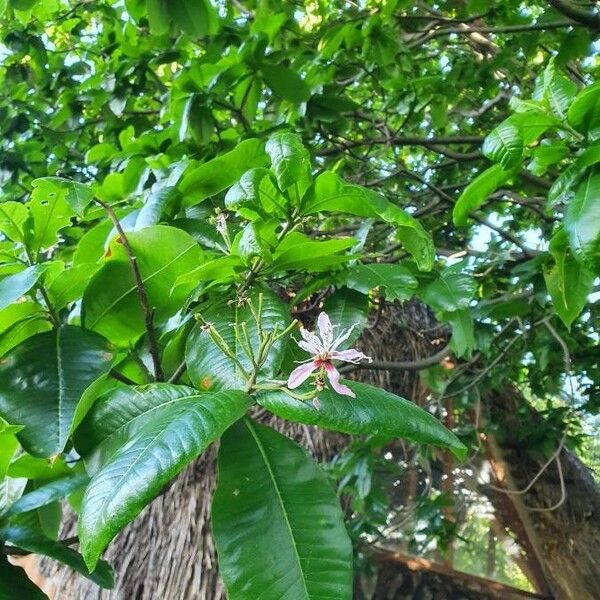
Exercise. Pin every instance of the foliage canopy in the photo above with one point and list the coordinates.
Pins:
(183, 181)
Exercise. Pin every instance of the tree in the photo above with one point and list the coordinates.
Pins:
(188, 186)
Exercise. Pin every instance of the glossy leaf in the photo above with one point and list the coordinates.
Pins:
(289, 159)
(45, 494)
(373, 411)
(38, 544)
(582, 220)
(452, 290)
(209, 368)
(504, 145)
(42, 381)
(111, 302)
(395, 281)
(584, 112)
(331, 194)
(77, 195)
(222, 172)
(298, 252)
(167, 429)
(14, 286)
(49, 213)
(196, 17)
(568, 281)
(277, 522)
(477, 192)
(12, 219)
(286, 83)
(347, 308)
(462, 341)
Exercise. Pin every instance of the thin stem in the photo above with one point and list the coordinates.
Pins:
(141, 292)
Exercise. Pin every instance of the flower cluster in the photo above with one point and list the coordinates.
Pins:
(323, 348)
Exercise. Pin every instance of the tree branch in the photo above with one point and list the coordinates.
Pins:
(409, 365)
(506, 28)
(403, 141)
(141, 291)
(583, 17)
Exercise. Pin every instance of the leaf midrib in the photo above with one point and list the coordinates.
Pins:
(132, 289)
(279, 497)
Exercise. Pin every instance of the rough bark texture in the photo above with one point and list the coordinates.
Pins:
(403, 577)
(168, 551)
(566, 539)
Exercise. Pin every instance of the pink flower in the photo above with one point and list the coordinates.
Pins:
(323, 348)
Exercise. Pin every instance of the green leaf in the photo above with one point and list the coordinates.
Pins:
(158, 16)
(55, 490)
(564, 186)
(477, 192)
(373, 411)
(463, 336)
(220, 270)
(559, 91)
(584, 112)
(157, 203)
(69, 286)
(196, 17)
(277, 522)
(582, 220)
(347, 308)
(12, 219)
(222, 172)
(77, 195)
(286, 83)
(453, 290)
(49, 213)
(209, 368)
(290, 160)
(331, 194)
(111, 303)
(166, 429)
(397, 281)
(504, 145)
(14, 286)
(14, 583)
(42, 381)
(38, 544)
(298, 252)
(568, 281)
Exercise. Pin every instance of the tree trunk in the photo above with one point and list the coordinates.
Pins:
(168, 551)
(562, 520)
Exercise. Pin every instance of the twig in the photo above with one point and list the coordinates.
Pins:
(120, 377)
(409, 365)
(141, 291)
(179, 371)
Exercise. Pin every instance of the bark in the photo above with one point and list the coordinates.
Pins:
(403, 577)
(168, 551)
(562, 520)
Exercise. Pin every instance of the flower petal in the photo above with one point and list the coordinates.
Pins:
(334, 378)
(325, 329)
(344, 335)
(300, 374)
(310, 348)
(352, 356)
(312, 339)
